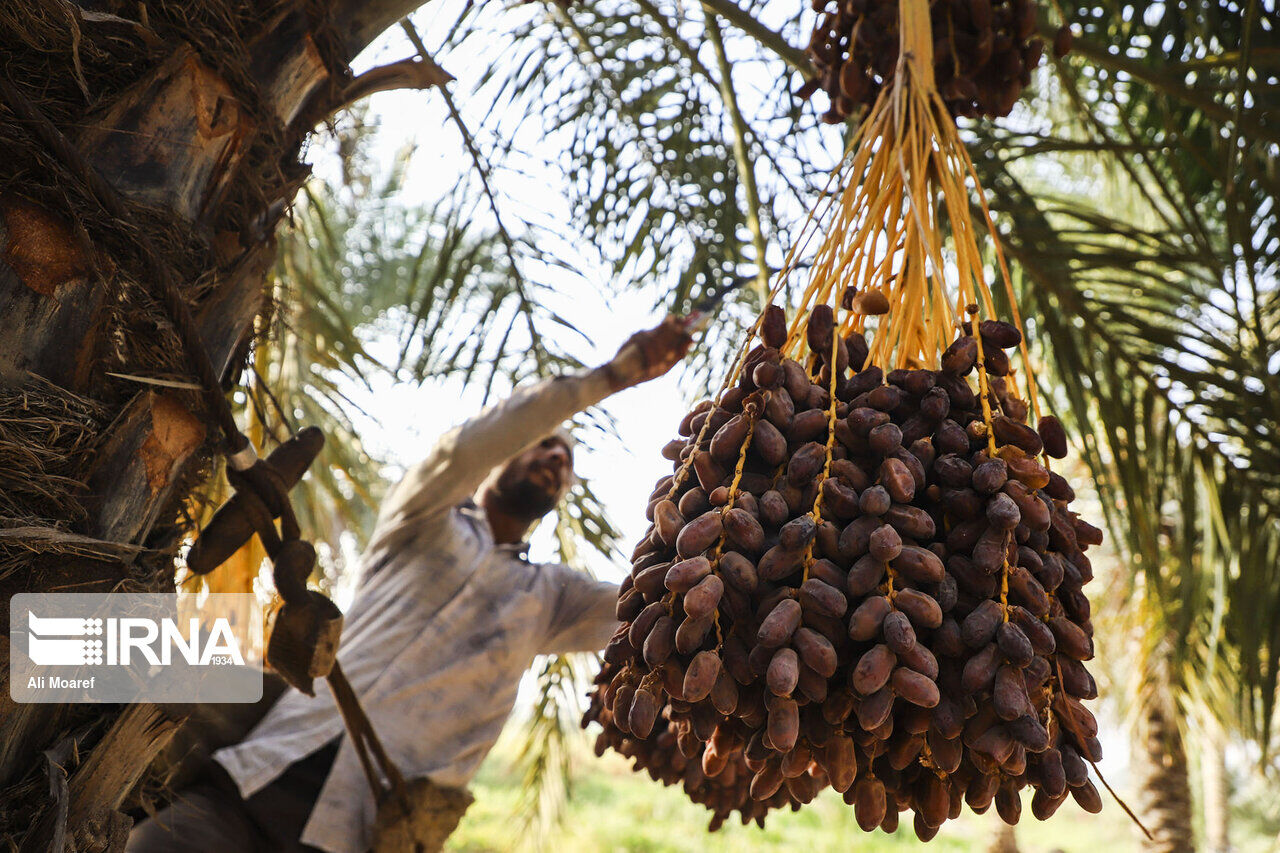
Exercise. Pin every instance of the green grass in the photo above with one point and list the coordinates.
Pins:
(612, 808)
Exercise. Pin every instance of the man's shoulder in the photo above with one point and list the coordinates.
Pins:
(457, 534)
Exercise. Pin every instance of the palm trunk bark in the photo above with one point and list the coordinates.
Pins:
(1005, 840)
(1160, 759)
(195, 113)
(1216, 802)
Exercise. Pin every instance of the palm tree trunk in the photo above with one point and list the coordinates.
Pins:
(1160, 758)
(1005, 840)
(194, 114)
(1216, 800)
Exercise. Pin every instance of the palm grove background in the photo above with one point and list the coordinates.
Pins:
(1135, 189)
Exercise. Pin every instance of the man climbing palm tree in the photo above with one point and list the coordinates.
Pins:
(448, 614)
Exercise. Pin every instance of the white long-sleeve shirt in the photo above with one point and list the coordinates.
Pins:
(442, 627)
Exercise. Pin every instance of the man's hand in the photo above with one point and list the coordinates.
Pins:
(649, 354)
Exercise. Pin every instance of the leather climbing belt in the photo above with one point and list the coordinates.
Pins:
(307, 628)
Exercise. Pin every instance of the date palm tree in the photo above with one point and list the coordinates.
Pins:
(688, 163)
(151, 151)
(1136, 192)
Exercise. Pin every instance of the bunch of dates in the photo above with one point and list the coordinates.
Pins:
(983, 52)
(852, 590)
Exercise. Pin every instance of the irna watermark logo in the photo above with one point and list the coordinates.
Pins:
(126, 647)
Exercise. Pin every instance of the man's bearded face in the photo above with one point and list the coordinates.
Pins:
(532, 483)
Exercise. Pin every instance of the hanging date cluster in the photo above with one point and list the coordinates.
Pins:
(878, 592)
(984, 52)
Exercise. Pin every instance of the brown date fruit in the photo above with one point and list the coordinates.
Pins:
(738, 571)
(1071, 639)
(981, 791)
(644, 622)
(897, 480)
(819, 329)
(643, 713)
(855, 539)
(989, 476)
(1009, 431)
(1002, 513)
(915, 687)
(782, 621)
(885, 438)
(649, 582)
(822, 598)
(873, 670)
(1009, 695)
(701, 675)
(919, 564)
(1025, 469)
(961, 356)
(743, 528)
(999, 334)
(816, 651)
(797, 533)
(1008, 804)
(980, 670)
(865, 622)
(769, 443)
(875, 501)
(1036, 631)
(885, 544)
(699, 534)
(830, 574)
(863, 419)
(692, 503)
(1087, 797)
(1053, 436)
(934, 803)
(865, 575)
(724, 693)
(773, 327)
(869, 803)
(919, 607)
(667, 522)
(704, 598)
(766, 782)
(783, 672)
(784, 724)
(875, 709)
(1014, 644)
(806, 463)
(898, 634)
(726, 444)
(684, 575)
(691, 632)
(979, 627)
(838, 500)
(773, 508)
(660, 643)
(710, 475)
(1027, 591)
(911, 521)
(1044, 805)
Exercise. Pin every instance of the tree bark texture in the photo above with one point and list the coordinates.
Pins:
(1160, 760)
(1005, 839)
(1216, 801)
(195, 112)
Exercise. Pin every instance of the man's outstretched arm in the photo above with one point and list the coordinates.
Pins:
(462, 458)
(581, 612)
